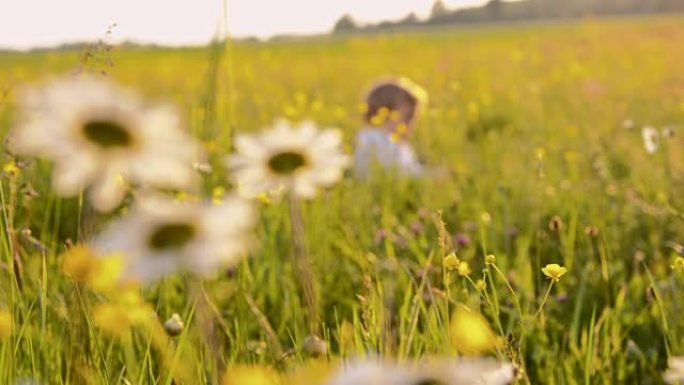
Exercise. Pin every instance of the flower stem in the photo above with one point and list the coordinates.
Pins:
(546, 297)
(207, 327)
(303, 266)
(510, 288)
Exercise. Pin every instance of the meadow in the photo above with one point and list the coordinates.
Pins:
(540, 129)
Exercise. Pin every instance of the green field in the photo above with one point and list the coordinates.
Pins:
(527, 118)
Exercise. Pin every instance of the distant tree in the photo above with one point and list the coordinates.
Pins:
(410, 19)
(439, 10)
(494, 7)
(346, 23)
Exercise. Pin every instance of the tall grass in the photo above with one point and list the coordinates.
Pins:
(528, 122)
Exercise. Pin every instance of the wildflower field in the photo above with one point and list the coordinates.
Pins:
(549, 244)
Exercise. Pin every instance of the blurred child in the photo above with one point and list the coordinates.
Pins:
(391, 110)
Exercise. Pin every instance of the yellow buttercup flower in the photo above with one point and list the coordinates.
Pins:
(182, 196)
(377, 120)
(451, 262)
(264, 198)
(395, 116)
(490, 259)
(101, 274)
(678, 264)
(6, 324)
(470, 332)
(251, 375)
(554, 271)
(211, 146)
(463, 269)
(401, 129)
(314, 372)
(384, 112)
(10, 168)
(486, 218)
(217, 194)
(117, 318)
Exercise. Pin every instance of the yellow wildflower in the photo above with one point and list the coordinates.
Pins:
(217, 194)
(99, 273)
(490, 259)
(117, 317)
(554, 271)
(395, 116)
(314, 372)
(451, 262)
(463, 269)
(6, 324)
(10, 168)
(377, 120)
(182, 196)
(250, 375)
(678, 264)
(211, 146)
(486, 218)
(470, 332)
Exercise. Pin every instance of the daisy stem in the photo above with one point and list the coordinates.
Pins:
(303, 265)
(208, 327)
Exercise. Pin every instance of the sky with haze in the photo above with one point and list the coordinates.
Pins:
(38, 23)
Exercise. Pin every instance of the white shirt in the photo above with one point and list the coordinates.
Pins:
(376, 145)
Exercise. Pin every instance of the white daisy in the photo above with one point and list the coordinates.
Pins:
(161, 236)
(651, 139)
(469, 371)
(457, 372)
(102, 137)
(299, 160)
(675, 370)
(372, 372)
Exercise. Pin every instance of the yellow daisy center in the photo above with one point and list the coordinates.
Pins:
(286, 162)
(107, 134)
(171, 236)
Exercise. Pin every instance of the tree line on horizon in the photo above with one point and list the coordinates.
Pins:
(501, 10)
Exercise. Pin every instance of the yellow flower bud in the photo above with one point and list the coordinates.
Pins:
(174, 325)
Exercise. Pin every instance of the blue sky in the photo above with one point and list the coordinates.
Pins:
(29, 23)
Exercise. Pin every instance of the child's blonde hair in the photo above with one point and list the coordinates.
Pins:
(389, 95)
